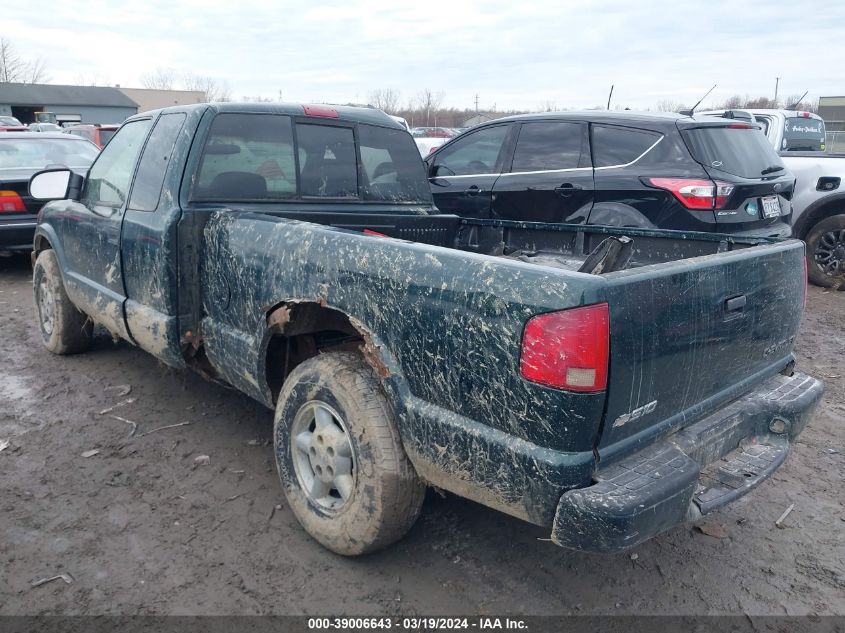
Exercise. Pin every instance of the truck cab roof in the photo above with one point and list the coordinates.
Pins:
(356, 114)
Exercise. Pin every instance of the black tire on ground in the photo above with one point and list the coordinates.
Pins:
(64, 329)
(819, 237)
(340, 394)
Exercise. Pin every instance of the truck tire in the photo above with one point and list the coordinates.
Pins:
(64, 329)
(826, 252)
(340, 459)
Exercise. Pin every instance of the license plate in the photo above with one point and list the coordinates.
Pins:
(771, 207)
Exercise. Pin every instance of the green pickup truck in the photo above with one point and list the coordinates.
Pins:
(605, 383)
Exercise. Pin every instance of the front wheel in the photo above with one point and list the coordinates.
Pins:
(826, 252)
(64, 329)
(340, 459)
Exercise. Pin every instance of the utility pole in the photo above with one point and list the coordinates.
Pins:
(777, 81)
(476, 103)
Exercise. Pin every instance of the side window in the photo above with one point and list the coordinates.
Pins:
(110, 176)
(763, 122)
(328, 167)
(620, 145)
(150, 177)
(247, 157)
(476, 153)
(548, 145)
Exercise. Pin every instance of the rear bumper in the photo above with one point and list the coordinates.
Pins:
(695, 471)
(17, 235)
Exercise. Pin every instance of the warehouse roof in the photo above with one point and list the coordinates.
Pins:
(48, 95)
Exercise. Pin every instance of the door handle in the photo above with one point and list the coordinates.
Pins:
(567, 189)
(472, 191)
(735, 304)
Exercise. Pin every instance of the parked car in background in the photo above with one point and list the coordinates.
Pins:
(618, 169)
(818, 204)
(21, 155)
(97, 134)
(11, 124)
(44, 127)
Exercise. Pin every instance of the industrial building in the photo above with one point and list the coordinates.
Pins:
(81, 104)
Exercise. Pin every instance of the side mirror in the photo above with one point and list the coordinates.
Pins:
(55, 184)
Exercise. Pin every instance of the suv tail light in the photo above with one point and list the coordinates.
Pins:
(701, 195)
(10, 202)
(568, 349)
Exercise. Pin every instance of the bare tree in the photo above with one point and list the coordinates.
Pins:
(386, 99)
(214, 90)
(16, 69)
(668, 105)
(429, 102)
(161, 79)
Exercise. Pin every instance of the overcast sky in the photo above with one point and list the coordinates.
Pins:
(511, 54)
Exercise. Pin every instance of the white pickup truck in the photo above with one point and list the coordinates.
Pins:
(818, 204)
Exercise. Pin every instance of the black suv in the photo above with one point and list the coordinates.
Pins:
(616, 168)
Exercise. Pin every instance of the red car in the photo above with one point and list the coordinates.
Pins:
(11, 124)
(97, 134)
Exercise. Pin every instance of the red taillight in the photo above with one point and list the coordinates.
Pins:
(568, 349)
(433, 149)
(320, 110)
(702, 195)
(10, 202)
(805, 115)
(739, 126)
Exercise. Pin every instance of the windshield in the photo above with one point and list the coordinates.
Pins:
(741, 151)
(9, 120)
(38, 153)
(803, 134)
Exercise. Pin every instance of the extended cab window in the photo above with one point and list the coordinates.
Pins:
(150, 177)
(110, 176)
(393, 169)
(475, 153)
(328, 167)
(247, 157)
(548, 145)
(620, 145)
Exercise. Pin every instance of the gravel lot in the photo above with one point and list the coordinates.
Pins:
(142, 529)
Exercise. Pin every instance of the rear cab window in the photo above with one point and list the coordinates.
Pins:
(327, 164)
(737, 149)
(393, 171)
(803, 134)
(247, 157)
(617, 146)
(267, 157)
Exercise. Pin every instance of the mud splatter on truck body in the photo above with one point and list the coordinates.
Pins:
(244, 290)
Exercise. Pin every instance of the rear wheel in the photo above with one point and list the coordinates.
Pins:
(826, 252)
(344, 472)
(64, 329)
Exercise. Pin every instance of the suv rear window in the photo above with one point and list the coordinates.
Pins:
(743, 152)
(803, 134)
(620, 145)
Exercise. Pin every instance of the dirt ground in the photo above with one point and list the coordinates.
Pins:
(142, 529)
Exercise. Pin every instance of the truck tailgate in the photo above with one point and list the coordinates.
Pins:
(686, 337)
